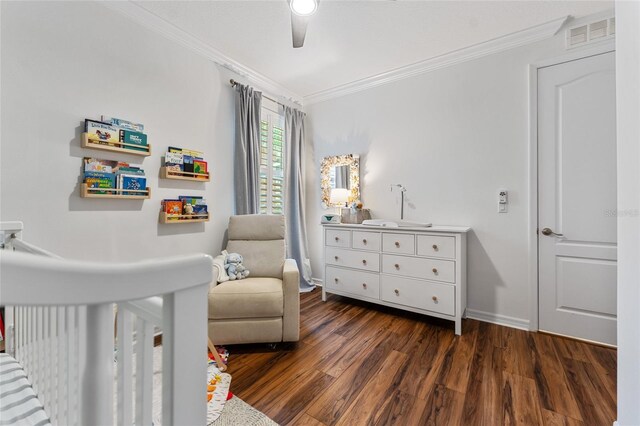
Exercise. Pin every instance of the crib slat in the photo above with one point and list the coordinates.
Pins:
(53, 372)
(125, 358)
(63, 383)
(144, 372)
(71, 362)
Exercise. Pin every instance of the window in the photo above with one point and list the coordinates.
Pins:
(271, 161)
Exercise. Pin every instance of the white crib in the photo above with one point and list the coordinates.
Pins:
(59, 326)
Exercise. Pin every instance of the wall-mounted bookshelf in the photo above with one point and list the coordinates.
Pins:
(114, 193)
(166, 173)
(183, 218)
(122, 147)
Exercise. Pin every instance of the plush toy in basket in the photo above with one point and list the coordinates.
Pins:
(234, 267)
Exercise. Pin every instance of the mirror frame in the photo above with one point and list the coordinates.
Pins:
(351, 160)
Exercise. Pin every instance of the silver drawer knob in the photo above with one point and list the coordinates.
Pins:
(435, 299)
(364, 262)
(364, 241)
(397, 266)
(435, 271)
(397, 244)
(397, 292)
(435, 247)
(364, 285)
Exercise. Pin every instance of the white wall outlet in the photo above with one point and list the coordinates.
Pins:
(503, 201)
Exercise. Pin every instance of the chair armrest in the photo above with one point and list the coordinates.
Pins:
(216, 274)
(291, 290)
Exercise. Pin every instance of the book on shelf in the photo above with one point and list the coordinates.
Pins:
(200, 166)
(173, 161)
(172, 207)
(133, 138)
(97, 165)
(100, 180)
(135, 183)
(103, 133)
(123, 124)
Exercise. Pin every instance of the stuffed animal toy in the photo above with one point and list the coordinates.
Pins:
(234, 267)
(188, 208)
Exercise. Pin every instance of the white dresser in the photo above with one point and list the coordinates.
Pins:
(422, 270)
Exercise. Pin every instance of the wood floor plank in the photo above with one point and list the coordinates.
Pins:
(595, 402)
(518, 357)
(442, 407)
(457, 361)
(520, 401)
(550, 378)
(330, 406)
(303, 419)
(551, 418)
(483, 396)
(400, 409)
(490, 376)
(366, 407)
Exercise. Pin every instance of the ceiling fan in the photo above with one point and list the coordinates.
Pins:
(301, 11)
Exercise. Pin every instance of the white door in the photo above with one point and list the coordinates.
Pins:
(577, 198)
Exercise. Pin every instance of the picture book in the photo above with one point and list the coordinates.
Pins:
(109, 178)
(173, 161)
(187, 163)
(100, 180)
(192, 153)
(172, 206)
(134, 138)
(96, 165)
(174, 149)
(200, 209)
(102, 132)
(200, 166)
(133, 182)
(123, 124)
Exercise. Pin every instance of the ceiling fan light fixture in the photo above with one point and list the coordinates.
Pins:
(303, 7)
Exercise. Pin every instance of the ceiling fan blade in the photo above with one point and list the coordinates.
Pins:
(298, 29)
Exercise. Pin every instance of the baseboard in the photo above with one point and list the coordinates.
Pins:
(520, 323)
(317, 281)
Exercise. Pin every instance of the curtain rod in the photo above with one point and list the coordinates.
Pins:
(233, 83)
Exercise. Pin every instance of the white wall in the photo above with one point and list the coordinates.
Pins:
(453, 137)
(63, 62)
(628, 110)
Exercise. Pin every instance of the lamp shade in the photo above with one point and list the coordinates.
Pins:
(339, 196)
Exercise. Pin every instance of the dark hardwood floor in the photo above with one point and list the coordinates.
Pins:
(358, 363)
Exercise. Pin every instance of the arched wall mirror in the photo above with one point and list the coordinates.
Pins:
(340, 180)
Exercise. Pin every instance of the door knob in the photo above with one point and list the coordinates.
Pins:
(548, 231)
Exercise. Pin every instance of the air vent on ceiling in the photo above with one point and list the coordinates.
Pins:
(591, 32)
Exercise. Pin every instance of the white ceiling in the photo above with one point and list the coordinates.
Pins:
(350, 40)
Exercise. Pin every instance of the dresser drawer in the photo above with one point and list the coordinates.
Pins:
(338, 238)
(355, 282)
(366, 240)
(368, 261)
(418, 294)
(435, 246)
(415, 267)
(398, 243)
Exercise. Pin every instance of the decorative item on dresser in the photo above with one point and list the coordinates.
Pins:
(421, 270)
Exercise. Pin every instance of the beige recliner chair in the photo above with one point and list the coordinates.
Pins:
(264, 307)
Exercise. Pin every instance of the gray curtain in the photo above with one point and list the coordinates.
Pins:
(297, 247)
(247, 151)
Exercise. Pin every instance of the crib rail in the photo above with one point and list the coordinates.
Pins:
(60, 327)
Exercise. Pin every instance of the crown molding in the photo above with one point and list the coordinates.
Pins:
(509, 41)
(153, 22)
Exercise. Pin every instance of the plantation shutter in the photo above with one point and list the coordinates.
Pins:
(271, 162)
